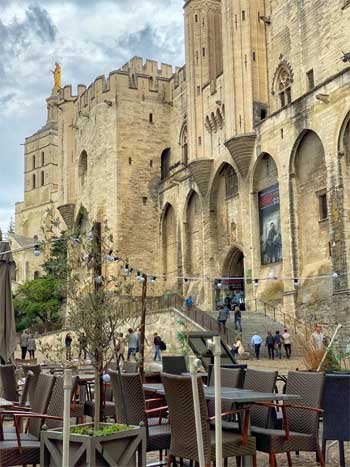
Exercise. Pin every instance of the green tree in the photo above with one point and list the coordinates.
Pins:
(38, 304)
(56, 266)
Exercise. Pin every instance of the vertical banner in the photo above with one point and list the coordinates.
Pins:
(270, 225)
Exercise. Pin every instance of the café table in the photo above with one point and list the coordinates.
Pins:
(5, 404)
(241, 397)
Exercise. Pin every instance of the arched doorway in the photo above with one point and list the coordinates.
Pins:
(232, 283)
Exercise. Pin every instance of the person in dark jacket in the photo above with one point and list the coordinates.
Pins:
(157, 342)
(68, 345)
(278, 344)
(238, 318)
(270, 344)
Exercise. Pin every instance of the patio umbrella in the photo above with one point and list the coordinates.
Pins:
(7, 316)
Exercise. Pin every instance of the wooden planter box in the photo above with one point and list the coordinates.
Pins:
(121, 449)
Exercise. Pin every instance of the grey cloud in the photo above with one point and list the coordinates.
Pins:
(7, 98)
(160, 44)
(17, 36)
(41, 23)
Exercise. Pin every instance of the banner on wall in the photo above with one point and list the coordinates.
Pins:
(270, 225)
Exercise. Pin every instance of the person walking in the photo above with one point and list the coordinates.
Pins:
(238, 318)
(270, 344)
(237, 347)
(121, 347)
(31, 346)
(278, 344)
(287, 343)
(317, 338)
(189, 303)
(256, 341)
(222, 318)
(23, 342)
(157, 343)
(132, 340)
(82, 346)
(68, 345)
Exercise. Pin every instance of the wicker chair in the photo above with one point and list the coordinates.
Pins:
(9, 383)
(178, 391)
(36, 369)
(130, 407)
(300, 431)
(107, 406)
(17, 449)
(261, 381)
(231, 378)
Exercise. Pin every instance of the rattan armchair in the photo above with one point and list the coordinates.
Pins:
(178, 391)
(18, 449)
(131, 408)
(300, 421)
(9, 383)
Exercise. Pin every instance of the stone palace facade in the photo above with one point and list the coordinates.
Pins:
(235, 165)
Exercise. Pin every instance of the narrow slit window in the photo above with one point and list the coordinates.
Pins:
(323, 206)
(42, 181)
(130, 161)
(310, 79)
(151, 163)
(150, 118)
(243, 15)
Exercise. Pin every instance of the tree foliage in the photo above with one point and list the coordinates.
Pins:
(38, 303)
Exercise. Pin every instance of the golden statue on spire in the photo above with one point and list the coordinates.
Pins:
(57, 76)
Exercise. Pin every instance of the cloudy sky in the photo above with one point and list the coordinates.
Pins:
(88, 38)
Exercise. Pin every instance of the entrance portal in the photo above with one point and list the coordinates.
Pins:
(232, 284)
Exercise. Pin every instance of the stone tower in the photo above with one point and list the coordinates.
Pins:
(203, 48)
(244, 25)
(40, 173)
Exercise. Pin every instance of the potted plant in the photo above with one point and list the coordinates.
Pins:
(98, 293)
(110, 445)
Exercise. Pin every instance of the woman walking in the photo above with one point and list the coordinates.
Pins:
(31, 346)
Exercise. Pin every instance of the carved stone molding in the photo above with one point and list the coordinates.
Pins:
(67, 213)
(241, 148)
(200, 170)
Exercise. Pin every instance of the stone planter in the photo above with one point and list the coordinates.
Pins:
(121, 449)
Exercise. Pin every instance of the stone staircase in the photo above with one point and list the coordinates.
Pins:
(257, 322)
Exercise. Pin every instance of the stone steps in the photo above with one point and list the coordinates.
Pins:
(257, 322)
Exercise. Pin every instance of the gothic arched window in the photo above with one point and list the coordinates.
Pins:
(183, 143)
(283, 86)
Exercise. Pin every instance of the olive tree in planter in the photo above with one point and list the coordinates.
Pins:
(97, 290)
(111, 445)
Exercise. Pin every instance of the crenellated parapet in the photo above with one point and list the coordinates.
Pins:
(147, 77)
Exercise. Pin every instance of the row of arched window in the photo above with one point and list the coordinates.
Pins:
(42, 180)
(35, 160)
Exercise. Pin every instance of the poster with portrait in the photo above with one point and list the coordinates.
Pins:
(270, 225)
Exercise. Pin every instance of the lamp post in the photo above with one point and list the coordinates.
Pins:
(194, 364)
(143, 324)
(215, 346)
(67, 386)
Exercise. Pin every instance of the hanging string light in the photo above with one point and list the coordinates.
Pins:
(90, 236)
(296, 283)
(219, 284)
(110, 258)
(256, 282)
(153, 280)
(36, 249)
